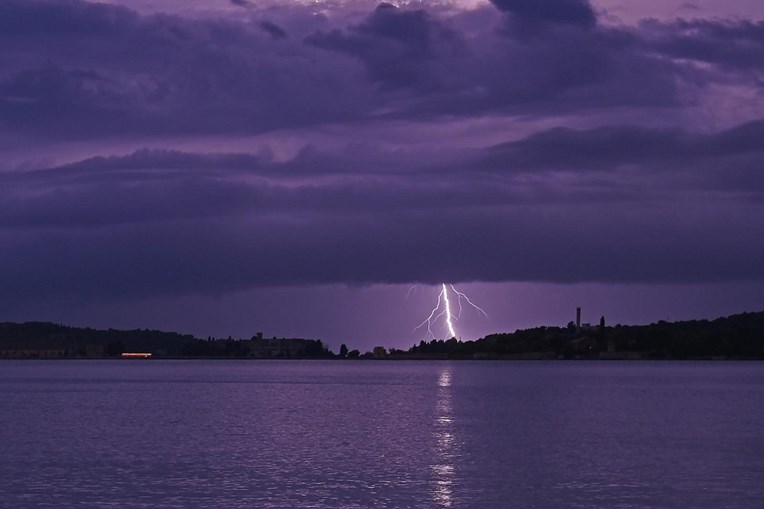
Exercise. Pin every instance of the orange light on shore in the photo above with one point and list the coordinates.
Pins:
(136, 355)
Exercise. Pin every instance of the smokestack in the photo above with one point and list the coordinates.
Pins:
(578, 319)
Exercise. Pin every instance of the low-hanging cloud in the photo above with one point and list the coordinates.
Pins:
(608, 175)
(621, 204)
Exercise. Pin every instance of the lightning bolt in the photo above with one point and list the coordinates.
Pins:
(461, 296)
(437, 312)
(449, 324)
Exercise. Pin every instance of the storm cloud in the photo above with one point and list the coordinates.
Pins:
(513, 141)
(527, 13)
(80, 70)
(607, 204)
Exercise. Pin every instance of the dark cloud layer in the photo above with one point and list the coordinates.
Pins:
(660, 150)
(729, 45)
(75, 69)
(273, 29)
(616, 204)
(608, 175)
(570, 12)
(399, 48)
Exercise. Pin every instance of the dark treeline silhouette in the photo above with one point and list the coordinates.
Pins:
(735, 337)
(259, 348)
(48, 340)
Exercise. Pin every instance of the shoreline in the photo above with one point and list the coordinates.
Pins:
(413, 359)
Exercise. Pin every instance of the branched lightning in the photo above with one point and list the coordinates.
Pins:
(461, 296)
(431, 318)
(436, 313)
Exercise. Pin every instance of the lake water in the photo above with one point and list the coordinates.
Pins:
(267, 434)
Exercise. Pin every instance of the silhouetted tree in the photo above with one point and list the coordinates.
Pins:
(343, 351)
(115, 348)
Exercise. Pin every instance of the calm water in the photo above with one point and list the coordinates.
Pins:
(264, 434)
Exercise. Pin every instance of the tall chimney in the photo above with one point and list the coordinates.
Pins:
(578, 319)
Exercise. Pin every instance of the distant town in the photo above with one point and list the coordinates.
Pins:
(737, 336)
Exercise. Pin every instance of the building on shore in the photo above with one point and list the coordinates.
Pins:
(279, 348)
(38, 353)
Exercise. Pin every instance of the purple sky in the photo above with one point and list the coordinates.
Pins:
(227, 167)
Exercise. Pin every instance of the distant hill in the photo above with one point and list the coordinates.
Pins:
(55, 340)
(735, 337)
(50, 341)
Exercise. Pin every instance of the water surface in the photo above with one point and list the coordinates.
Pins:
(273, 434)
